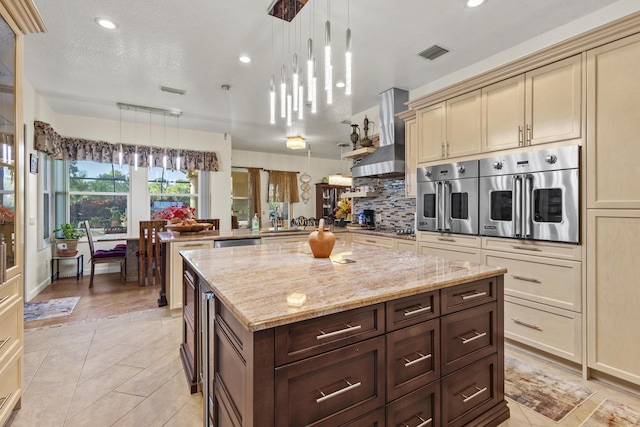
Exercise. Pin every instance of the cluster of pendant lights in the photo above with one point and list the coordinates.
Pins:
(292, 88)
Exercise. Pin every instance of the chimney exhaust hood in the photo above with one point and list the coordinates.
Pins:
(388, 159)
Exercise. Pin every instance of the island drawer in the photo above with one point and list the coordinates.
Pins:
(411, 310)
(469, 295)
(297, 341)
(374, 419)
(367, 239)
(413, 358)
(10, 324)
(189, 296)
(468, 336)
(469, 392)
(333, 388)
(419, 408)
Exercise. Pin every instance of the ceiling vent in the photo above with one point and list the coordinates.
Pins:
(433, 52)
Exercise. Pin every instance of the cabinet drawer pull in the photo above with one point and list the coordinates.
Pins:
(520, 143)
(349, 328)
(446, 239)
(418, 360)
(473, 295)
(528, 135)
(5, 400)
(478, 392)
(423, 422)
(526, 248)
(369, 241)
(6, 340)
(420, 309)
(526, 279)
(476, 336)
(528, 325)
(4, 299)
(336, 393)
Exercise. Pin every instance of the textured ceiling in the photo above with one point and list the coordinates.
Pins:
(82, 69)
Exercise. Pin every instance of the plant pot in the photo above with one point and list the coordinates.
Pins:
(66, 247)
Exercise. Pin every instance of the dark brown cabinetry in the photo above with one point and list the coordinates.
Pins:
(327, 198)
(433, 359)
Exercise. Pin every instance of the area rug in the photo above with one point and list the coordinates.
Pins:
(38, 310)
(541, 392)
(612, 414)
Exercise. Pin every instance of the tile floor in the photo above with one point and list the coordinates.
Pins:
(122, 369)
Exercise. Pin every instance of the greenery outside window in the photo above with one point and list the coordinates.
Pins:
(98, 192)
(172, 188)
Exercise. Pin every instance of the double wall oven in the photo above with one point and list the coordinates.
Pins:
(532, 195)
(448, 198)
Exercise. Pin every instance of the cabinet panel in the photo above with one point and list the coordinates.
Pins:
(532, 247)
(457, 253)
(404, 245)
(374, 419)
(432, 132)
(303, 339)
(540, 279)
(367, 239)
(469, 295)
(10, 381)
(413, 358)
(411, 157)
(463, 124)
(613, 125)
(411, 310)
(449, 239)
(419, 408)
(613, 294)
(175, 265)
(333, 387)
(543, 327)
(554, 102)
(503, 114)
(10, 326)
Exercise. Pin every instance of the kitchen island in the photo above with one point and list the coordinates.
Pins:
(368, 337)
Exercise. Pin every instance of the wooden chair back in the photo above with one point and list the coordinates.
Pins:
(215, 222)
(149, 256)
(234, 222)
(105, 257)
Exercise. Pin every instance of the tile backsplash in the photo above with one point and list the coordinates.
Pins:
(397, 211)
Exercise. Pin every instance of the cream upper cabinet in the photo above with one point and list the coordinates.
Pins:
(411, 157)
(539, 107)
(432, 132)
(463, 125)
(613, 125)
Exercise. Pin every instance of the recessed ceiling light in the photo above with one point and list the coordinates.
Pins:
(340, 84)
(245, 59)
(106, 23)
(474, 3)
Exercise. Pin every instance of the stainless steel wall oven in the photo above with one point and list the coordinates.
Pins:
(533, 195)
(448, 198)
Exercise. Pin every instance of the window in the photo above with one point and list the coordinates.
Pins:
(240, 197)
(46, 201)
(98, 192)
(172, 188)
(281, 210)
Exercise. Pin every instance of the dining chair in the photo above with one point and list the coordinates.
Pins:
(149, 255)
(214, 221)
(117, 254)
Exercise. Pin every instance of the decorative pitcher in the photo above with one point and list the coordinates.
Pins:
(321, 241)
(355, 135)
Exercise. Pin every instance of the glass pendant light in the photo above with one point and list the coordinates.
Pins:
(178, 145)
(289, 106)
(272, 102)
(301, 100)
(135, 159)
(295, 84)
(347, 57)
(314, 90)
(283, 94)
(309, 69)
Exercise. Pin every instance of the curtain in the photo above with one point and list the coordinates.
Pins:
(254, 186)
(285, 187)
(58, 147)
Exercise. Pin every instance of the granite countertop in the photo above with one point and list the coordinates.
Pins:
(383, 233)
(254, 281)
(173, 236)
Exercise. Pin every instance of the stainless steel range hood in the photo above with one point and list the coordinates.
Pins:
(388, 159)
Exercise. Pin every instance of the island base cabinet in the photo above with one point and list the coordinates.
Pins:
(418, 408)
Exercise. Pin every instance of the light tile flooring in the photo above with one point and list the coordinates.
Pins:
(123, 369)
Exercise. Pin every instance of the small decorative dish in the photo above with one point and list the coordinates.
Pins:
(189, 228)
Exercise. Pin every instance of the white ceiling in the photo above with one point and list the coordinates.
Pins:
(82, 69)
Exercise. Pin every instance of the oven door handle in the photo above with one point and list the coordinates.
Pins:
(438, 205)
(527, 197)
(517, 206)
(446, 206)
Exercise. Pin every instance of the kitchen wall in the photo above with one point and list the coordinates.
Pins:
(396, 210)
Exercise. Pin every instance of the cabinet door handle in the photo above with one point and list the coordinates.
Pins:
(420, 309)
(6, 340)
(369, 241)
(349, 328)
(528, 325)
(446, 239)
(423, 422)
(4, 299)
(418, 360)
(526, 248)
(476, 336)
(520, 136)
(473, 295)
(5, 400)
(528, 134)
(526, 279)
(477, 393)
(336, 393)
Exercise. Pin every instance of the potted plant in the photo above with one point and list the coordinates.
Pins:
(116, 216)
(67, 245)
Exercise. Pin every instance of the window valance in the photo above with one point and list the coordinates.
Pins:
(65, 148)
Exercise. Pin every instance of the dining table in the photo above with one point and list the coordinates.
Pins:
(133, 247)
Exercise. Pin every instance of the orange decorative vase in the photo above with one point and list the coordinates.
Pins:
(321, 241)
